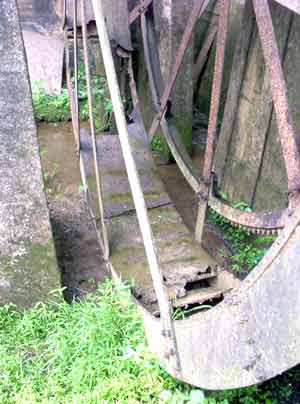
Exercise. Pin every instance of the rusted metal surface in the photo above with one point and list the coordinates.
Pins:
(194, 16)
(255, 222)
(139, 9)
(104, 239)
(216, 91)
(253, 335)
(75, 51)
(170, 345)
(70, 88)
(204, 52)
(213, 118)
(279, 94)
(255, 350)
(89, 15)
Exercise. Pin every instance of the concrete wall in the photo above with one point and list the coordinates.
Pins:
(28, 267)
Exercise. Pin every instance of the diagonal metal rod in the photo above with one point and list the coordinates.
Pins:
(70, 87)
(105, 242)
(73, 116)
(280, 99)
(138, 10)
(77, 120)
(204, 52)
(213, 116)
(171, 350)
(186, 38)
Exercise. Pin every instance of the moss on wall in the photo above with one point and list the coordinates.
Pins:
(29, 278)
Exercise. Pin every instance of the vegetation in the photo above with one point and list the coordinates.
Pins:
(94, 351)
(249, 249)
(56, 107)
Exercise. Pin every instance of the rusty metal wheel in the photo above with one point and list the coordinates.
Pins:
(269, 222)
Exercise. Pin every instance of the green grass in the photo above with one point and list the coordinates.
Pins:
(56, 107)
(94, 351)
(88, 352)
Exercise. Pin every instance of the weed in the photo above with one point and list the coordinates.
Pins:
(157, 144)
(180, 313)
(50, 107)
(93, 351)
(49, 177)
(249, 249)
(56, 107)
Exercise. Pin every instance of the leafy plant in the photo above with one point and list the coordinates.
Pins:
(180, 313)
(56, 107)
(49, 177)
(249, 249)
(94, 351)
(50, 107)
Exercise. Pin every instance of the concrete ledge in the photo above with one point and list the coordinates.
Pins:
(28, 267)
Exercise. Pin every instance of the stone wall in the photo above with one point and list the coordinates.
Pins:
(28, 267)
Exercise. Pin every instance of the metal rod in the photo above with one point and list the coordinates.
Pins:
(73, 116)
(213, 117)
(77, 121)
(196, 13)
(279, 94)
(105, 243)
(171, 350)
(138, 10)
(69, 85)
(203, 54)
(238, 70)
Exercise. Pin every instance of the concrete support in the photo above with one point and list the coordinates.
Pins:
(28, 267)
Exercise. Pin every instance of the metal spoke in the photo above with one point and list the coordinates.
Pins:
(165, 307)
(77, 120)
(213, 116)
(105, 244)
(140, 9)
(186, 38)
(280, 99)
